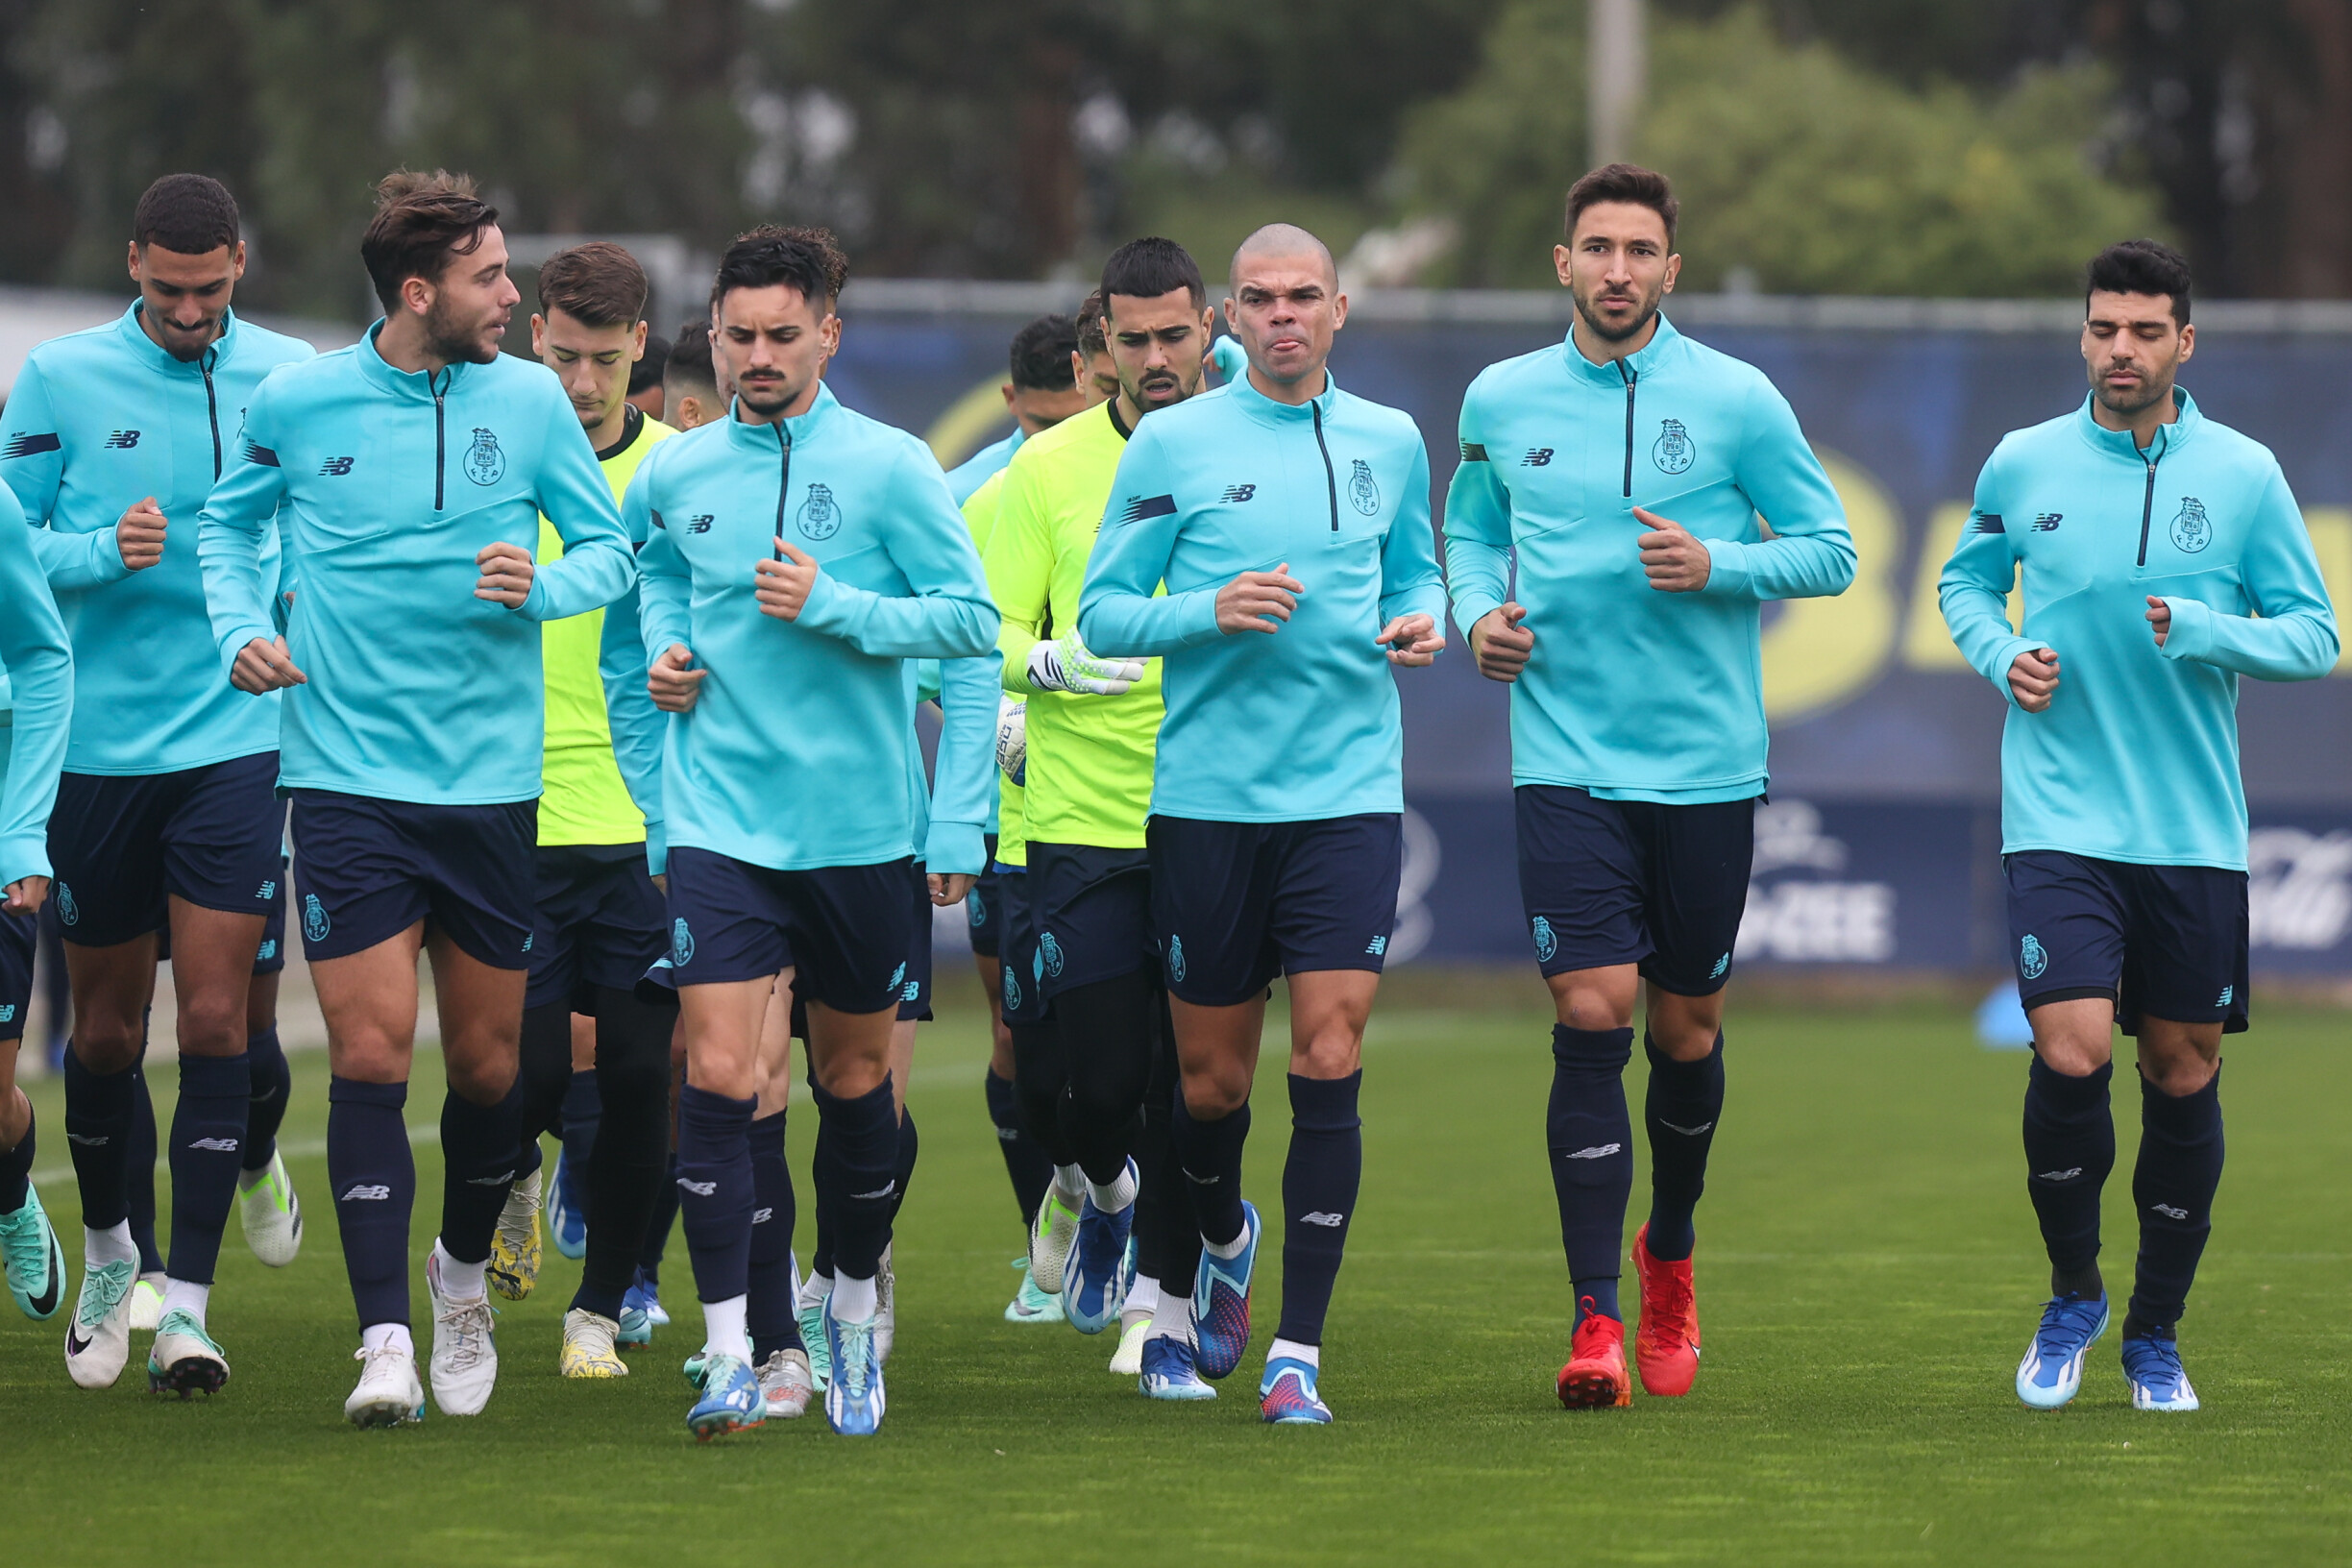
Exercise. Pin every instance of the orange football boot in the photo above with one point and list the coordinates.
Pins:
(1596, 1371)
(1666, 1346)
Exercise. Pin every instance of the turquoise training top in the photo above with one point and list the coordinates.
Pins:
(99, 419)
(36, 695)
(2136, 758)
(390, 483)
(1631, 692)
(1298, 724)
(973, 472)
(800, 751)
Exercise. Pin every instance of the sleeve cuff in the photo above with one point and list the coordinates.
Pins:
(106, 557)
(822, 611)
(1473, 607)
(657, 849)
(2009, 652)
(1727, 573)
(951, 849)
(20, 858)
(2192, 636)
(234, 643)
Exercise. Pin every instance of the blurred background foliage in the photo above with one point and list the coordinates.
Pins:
(1821, 146)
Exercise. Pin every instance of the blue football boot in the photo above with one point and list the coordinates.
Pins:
(853, 1397)
(1094, 1283)
(565, 1216)
(2152, 1365)
(1170, 1371)
(636, 1320)
(731, 1400)
(1288, 1396)
(1220, 1301)
(2052, 1372)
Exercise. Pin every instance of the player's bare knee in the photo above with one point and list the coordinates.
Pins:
(1333, 1051)
(482, 1077)
(212, 1024)
(107, 1044)
(1215, 1095)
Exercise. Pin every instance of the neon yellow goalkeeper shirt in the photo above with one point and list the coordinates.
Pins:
(1089, 778)
(981, 511)
(582, 800)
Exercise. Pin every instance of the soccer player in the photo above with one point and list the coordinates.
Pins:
(412, 469)
(2162, 556)
(1637, 722)
(691, 396)
(1037, 392)
(856, 561)
(648, 385)
(167, 814)
(599, 919)
(1276, 835)
(36, 714)
(1091, 725)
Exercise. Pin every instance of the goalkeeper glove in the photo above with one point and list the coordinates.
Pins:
(1065, 665)
(1013, 738)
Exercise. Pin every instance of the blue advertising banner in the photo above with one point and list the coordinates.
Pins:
(1880, 842)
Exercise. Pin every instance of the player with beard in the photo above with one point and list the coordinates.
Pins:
(167, 824)
(1635, 796)
(412, 469)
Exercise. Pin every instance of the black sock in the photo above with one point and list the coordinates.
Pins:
(1591, 1135)
(481, 1148)
(543, 1076)
(1167, 1238)
(1210, 1155)
(1320, 1179)
(372, 1173)
(769, 1314)
(1108, 1030)
(1680, 1113)
(1040, 1081)
(826, 1182)
(581, 1110)
(271, 1084)
(910, 1144)
(864, 1136)
(100, 1115)
(715, 1193)
(1025, 1160)
(17, 1167)
(208, 1141)
(2069, 1148)
(624, 1172)
(2172, 1186)
(663, 1221)
(142, 1181)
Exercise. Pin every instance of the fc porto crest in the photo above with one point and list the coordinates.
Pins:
(1674, 452)
(2191, 532)
(819, 515)
(69, 913)
(2031, 959)
(315, 923)
(1545, 944)
(1362, 491)
(681, 943)
(1176, 959)
(1049, 953)
(485, 460)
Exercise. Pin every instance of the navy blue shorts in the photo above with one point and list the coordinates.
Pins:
(2163, 942)
(1091, 910)
(1017, 946)
(123, 844)
(914, 990)
(19, 934)
(980, 907)
(843, 930)
(1237, 903)
(599, 921)
(370, 868)
(270, 957)
(1609, 882)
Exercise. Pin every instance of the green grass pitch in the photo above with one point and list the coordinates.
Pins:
(1866, 1278)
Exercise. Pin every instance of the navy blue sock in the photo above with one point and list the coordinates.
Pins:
(1320, 1179)
(825, 1179)
(1680, 1113)
(481, 1148)
(101, 1116)
(583, 1110)
(17, 1167)
(659, 1227)
(1209, 1153)
(142, 1183)
(768, 1314)
(2069, 1148)
(910, 1144)
(272, 1083)
(208, 1141)
(715, 1191)
(374, 1177)
(1590, 1135)
(863, 1174)
(1025, 1162)
(2172, 1186)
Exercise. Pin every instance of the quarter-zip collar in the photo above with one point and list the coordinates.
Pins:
(2169, 438)
(1283, 415)
(413, 385)
(150, 353)
(1607, 375)
(799, 428)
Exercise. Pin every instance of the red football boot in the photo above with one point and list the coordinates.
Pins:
(1594, 1375)
(1666, 1346)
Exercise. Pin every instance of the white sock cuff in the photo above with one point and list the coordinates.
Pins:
(722, 1327)
(1115, 1195)
(461, 1282)
(111, 1245)
(186, 1295)
(853, 1300)
(1292, 1350)
(377, 1336)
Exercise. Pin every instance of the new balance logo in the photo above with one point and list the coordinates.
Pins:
(2059, 1175)
(265, 893)
(700, 1189)
(1688, 1132)
(1236, 494)
(2168, 1212)
(761, 1217)
(2046, 522)
(1008, 1135)
(878, 1193)
(1322, 1218)
(87, 1141)
(1202, 1181)
(218, 1145)
(700, 522)
(334, 468)
(1599, 1151)
(122, 440)
(366, 1193)
(8, 1012)
(502, 1179)
(1377, 947)
(1536, 457)
(2223, 1000)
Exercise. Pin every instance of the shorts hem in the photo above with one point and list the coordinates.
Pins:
(2027, 1002)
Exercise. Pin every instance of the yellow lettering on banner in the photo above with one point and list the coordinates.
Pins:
(1926, 642)
(1821, 652)
(2331, 536)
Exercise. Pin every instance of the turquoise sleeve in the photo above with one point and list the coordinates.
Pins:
(950, 615)
(38, 659)
(665, 587)
(2296, 637)
(1121, 613)
(596, 567)
(230, 532)
(637, 726)
(1410, 583)
(1478, 525)
(965, 770)
(1811, 554)
(1974, 590)
(34, 467)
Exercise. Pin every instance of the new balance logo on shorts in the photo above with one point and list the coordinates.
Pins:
(1599, 1151)
(218, 1145)
(8, 1012)
(265, 892)
(1323, 1217)
(1377, 947)
(700, 1189)
(2223, 1000)
(366, 1193)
